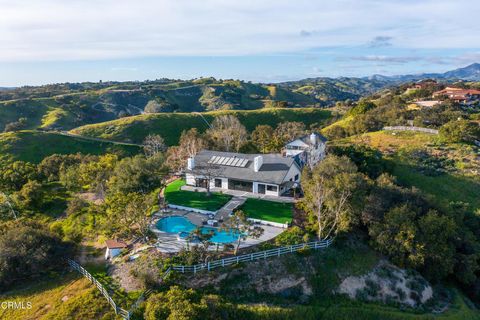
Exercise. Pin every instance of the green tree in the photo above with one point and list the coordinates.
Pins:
(129, 215)
(460, 131)
(30, 196)
(138, 174)
(262, 137)
(243, 228)
(424, 242)
(333, 190)
(29, 250)
(174, 304)
(362, 107)
(15, 174)
(286, 132)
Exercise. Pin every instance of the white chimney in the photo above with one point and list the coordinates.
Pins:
(313, 138)
(257, 163)
(190, 163)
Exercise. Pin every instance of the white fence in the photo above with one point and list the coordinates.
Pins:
(122, 312)
(253, 256)
(198, 267)
(407, 128)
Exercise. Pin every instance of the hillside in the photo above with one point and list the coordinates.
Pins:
(33, 146)
(64, 297)
(330, 90)
(170, 125)
(416, 158)
(65, 107)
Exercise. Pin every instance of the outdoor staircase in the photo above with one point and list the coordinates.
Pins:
(226, 210)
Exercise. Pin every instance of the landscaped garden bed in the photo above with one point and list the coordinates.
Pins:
(199, 200)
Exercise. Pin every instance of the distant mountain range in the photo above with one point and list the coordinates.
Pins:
(469, 73)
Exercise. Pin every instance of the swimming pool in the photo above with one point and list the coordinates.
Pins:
(177, 224)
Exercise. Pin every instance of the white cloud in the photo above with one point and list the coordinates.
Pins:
(32, 30)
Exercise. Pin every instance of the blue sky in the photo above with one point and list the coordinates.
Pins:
(268, 41)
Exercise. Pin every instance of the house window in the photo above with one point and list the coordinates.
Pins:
(272, 188)
(218, 183)
(261, 188)
(296, 177)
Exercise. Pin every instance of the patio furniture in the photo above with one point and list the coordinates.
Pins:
(212, 222)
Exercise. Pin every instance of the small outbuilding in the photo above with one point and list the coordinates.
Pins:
(114, 247)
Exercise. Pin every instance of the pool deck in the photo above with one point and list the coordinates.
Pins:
(168, 243)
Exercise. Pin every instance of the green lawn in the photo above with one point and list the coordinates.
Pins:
(191, 199)
(268, 210)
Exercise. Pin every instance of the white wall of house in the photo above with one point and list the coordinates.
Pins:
(111, 253)
(267, 192)
(298, 147)
(224, 183)
(190, 179)
(290, 176)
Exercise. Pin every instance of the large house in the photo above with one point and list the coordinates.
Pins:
(308, 149)
(460, 95)
(269, 174)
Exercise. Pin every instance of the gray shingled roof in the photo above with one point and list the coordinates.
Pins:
(274, 169)
(306, 138)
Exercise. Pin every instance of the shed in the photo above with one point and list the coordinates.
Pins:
(114, 247)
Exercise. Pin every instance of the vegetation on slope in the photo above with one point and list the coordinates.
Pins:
(443, 171)
(171, 125)
(33, 146)
(61, 297)
(296, 286)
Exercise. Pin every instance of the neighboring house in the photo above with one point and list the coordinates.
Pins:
(269, 174)
(307, 150)
(114, 248)
(466, 96)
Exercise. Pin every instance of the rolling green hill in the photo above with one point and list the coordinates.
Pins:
(170, 125)
(67, 106)
(33, 146)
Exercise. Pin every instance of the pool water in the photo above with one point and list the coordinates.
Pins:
(178, 224)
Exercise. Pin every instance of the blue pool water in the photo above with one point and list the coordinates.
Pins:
(177, 224)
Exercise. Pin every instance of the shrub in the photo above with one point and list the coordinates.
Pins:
(293, 235)
(28, 250)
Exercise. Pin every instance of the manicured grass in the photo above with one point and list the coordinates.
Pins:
(170, 125)
(268, 210)
(33, 146)
(191, 199)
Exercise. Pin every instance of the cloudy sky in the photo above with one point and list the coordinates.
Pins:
(260, 40)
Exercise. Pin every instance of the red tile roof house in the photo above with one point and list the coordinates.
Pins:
(114, 248)
(459, 94)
